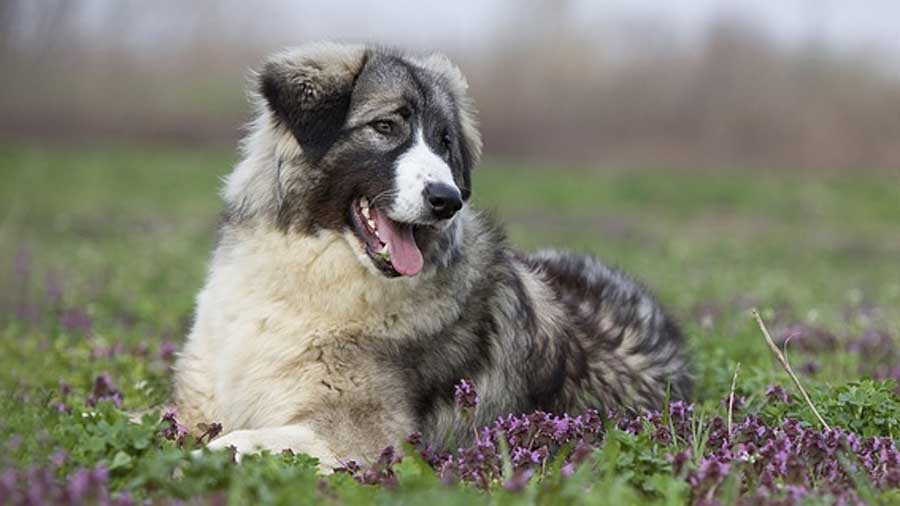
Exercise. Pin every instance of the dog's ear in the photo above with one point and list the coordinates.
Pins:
(470, 144)
(309, 90)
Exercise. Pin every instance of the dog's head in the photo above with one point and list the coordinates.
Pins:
(385, 145)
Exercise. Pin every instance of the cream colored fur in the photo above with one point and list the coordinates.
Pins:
(282, 316)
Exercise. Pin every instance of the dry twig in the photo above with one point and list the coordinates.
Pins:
(787, 367)
(731, 397)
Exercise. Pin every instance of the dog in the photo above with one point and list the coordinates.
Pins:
(353, 285)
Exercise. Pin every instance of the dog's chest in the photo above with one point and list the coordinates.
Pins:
(283, 369)
(292, 325)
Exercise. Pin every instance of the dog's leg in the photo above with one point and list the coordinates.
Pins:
(297, 438)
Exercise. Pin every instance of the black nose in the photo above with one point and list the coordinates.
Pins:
(443, 199)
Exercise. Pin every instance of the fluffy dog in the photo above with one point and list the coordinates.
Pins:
(353, 285)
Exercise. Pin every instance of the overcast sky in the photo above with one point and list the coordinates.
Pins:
(846, 22)
(846, 25)
(850, 24)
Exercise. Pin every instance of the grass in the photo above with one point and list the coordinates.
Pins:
(103, 249)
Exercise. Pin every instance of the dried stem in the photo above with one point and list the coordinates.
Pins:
(787, 367)
(731, 397)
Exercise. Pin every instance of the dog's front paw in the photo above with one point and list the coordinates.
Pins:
(235, 442)
(224, 443)
(298, 439)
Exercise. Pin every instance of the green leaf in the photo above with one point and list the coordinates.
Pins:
(120, 461)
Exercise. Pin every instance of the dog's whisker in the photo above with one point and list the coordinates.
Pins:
(383, 197)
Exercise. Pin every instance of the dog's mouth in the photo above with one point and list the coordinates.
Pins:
(390, 244)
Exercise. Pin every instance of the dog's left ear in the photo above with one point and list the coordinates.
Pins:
(470, 145)
(309, 90)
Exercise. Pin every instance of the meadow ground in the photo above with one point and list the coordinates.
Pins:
(103, 249)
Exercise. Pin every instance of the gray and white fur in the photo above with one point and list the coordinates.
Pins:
(320, 328)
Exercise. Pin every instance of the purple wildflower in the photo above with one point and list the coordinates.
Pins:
(523, 457)
(101, 351)
(887, 372)
(786, 463)
(75, 320)
(809, 339)
(810, 367)
(709, 475)
(167, 350)
(795, 493)
(64, 388)
(579, 455)
(209, 431)
(777, 393)
(38, 486)
(388, 457)
(104, 390)
(518, 481)
(140, 349)
(737, 402)
(100, 474)
(465, 395)
(381, 473)
(8, 481)
(414, 439)
(873, 345)
(78, 485)
(350, 467)
(58, 458)
(123, 499)
(174, 431)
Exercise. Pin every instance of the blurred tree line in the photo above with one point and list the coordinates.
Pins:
(547, 87)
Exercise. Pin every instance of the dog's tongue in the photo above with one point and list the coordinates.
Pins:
(405, 255)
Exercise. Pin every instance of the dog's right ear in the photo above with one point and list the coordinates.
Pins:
(309, 89)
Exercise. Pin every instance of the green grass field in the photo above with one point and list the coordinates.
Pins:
(103, 249)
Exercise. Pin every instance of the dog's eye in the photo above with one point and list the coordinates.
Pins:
(383, 126)
(446, 142)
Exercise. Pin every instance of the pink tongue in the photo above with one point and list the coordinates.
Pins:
(405, 255)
